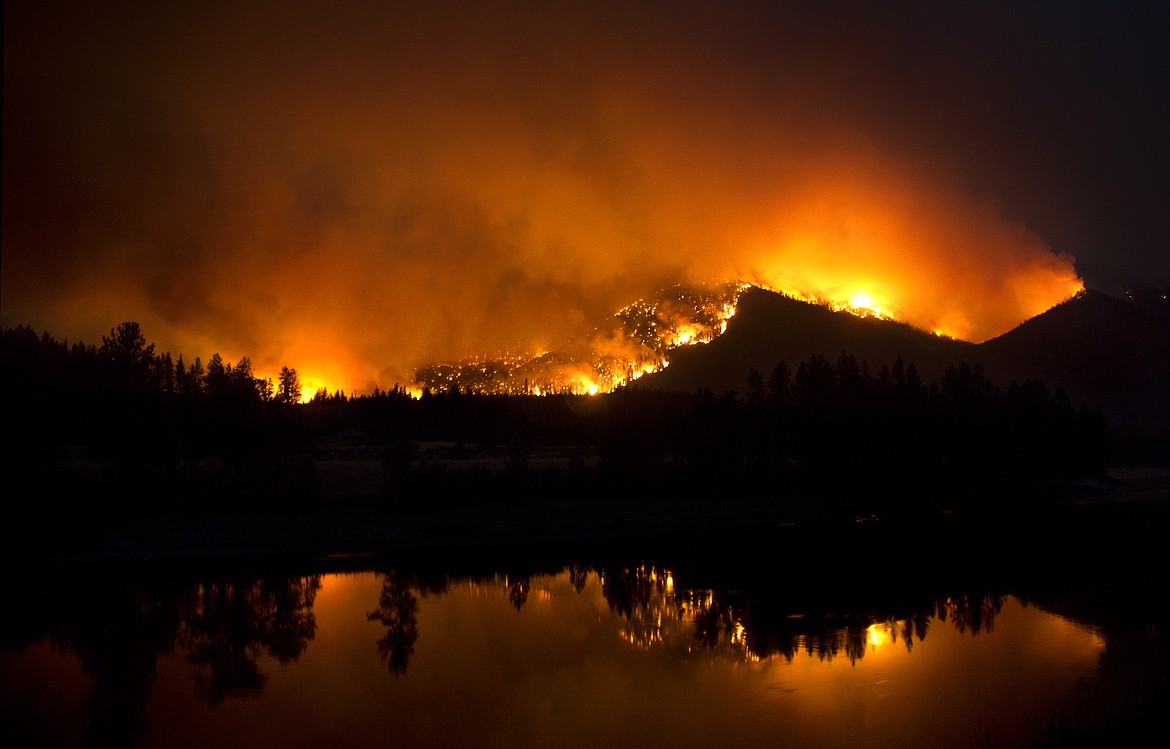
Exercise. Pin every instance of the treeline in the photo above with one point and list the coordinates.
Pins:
(126, 363)
(170, 432)
(136, 426)
(826, 425)
(839, 422)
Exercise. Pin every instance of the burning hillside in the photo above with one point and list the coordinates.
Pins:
(633, 342)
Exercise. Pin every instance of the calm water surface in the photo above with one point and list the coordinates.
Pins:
(623, 656)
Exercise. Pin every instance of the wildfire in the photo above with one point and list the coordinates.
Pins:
(638, 339)
(882, 243)
(859, 303)
(632, 343)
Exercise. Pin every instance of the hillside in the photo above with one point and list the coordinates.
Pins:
(1105, 352)
(769, 328)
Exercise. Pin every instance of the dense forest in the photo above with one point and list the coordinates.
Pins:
(136, 429)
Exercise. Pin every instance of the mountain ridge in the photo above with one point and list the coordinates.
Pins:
(770, 327)
(1105, 352)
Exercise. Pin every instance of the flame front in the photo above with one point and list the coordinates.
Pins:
(634, 342)
(638, 339)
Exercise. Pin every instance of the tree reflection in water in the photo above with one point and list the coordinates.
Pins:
(578, 576)
(117, 630)
(118, 625)
(518, 589)
(969, 613)
(750, 624)
(629, 589)
(225, 626)
(753, 624)
(398, 611)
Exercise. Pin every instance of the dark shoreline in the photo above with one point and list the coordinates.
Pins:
(366, 529)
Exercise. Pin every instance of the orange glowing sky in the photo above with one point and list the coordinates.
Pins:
(356, 189)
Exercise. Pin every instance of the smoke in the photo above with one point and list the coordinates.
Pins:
(358, 192)
(866, 231)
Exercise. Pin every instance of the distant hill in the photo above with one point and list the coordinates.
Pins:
(1105, 352)
(769, 328)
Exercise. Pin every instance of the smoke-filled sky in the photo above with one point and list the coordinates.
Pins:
(358, 188)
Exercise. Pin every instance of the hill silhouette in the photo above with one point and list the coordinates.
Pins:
(769, 328)
(1105, 352)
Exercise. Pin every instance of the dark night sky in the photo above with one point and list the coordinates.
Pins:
(357, 189)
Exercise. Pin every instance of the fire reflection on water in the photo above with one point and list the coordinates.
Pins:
(534, 659)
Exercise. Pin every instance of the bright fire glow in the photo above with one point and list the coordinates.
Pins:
(466, 200)
(881, 241)
(631, 344)
(880, 633)
(860, 304)
(638, 340)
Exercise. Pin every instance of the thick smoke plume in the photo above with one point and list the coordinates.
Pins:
(359, 191)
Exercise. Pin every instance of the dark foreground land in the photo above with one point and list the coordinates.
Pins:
(122, 453)
(340, 523)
